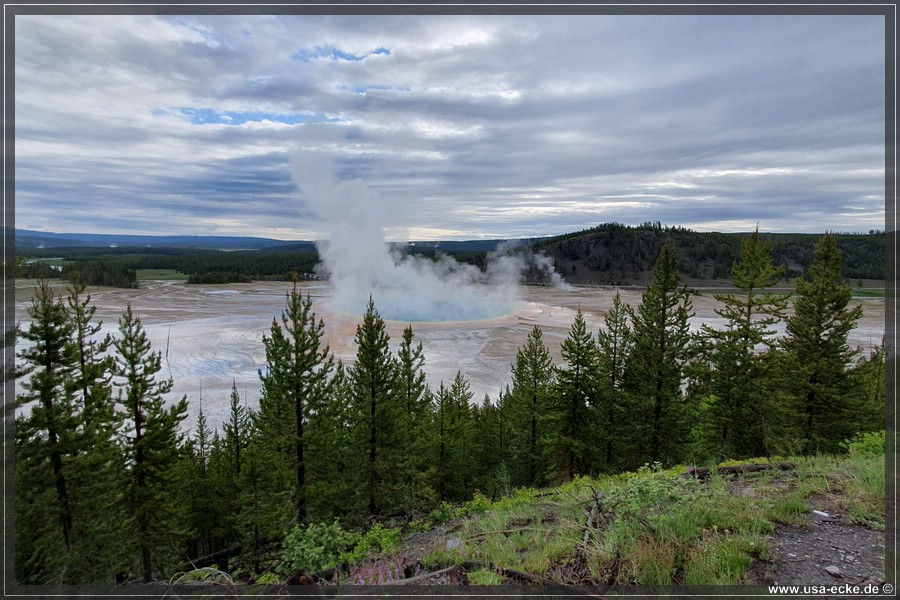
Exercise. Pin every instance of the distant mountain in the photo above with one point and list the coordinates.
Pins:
(39, 239)
(27, 239)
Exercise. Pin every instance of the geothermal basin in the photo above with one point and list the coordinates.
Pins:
(211, 335)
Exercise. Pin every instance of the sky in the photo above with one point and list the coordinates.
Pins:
(456, 127)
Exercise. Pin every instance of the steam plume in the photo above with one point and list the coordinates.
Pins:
(358, 261)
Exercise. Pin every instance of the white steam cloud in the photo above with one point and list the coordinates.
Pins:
(359, 262)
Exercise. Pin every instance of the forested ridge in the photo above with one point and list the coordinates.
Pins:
(609, 254)
(617, 254)
(112, 485)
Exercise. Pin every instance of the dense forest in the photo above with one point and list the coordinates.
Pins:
(616, 254)
(112, 485)
(610, 254)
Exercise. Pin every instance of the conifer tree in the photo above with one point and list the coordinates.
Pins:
(529, 405)
(576, 400)
(47, 438)
(413, 425)
(153, 446)
(295, 382)
(376, 408)
(614, 345)
(737, 404)
(238, 430)
(661, 337)
(331, 452)
(817, 351)
(868, 392)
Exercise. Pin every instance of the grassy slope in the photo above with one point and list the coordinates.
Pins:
(652, 527)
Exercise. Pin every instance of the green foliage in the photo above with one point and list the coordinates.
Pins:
(294, 385)
(865, 444)
(657, 408)
(528, 405)
(315, 547)
(817, 355)
(379, 538)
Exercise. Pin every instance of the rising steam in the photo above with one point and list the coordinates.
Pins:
(359, 263)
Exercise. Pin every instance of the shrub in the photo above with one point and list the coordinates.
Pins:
(315, 547)
(865, 444)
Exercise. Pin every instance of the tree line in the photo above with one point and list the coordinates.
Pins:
(110, 486)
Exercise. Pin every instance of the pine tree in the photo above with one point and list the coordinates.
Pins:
(375, 405)
(412, 455)
(868, 392)
(661, 337)
(46, 440)
(295, 382)
(817, 351)
(153, 447)
(529, 405)
(331, 451)
(238, 429)
(614, 344)
(737, 404)
(576, 400)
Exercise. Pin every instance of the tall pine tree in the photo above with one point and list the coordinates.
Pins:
(529, 408)
(153, 446)
(576, 402)
(295, 383)
(614, 345)
(47, 439)
(661, 337)
(818, 355)
(737, 408)
(376, 408)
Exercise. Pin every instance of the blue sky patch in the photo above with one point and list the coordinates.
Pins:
(208, 116)
(335, 54)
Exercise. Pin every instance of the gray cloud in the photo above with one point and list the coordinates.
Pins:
(464, 126)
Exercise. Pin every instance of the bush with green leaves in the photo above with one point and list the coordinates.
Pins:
(865, 444)
(315, 547)
(382, 538)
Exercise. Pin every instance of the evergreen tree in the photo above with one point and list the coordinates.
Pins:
(817, 351)
(376, 408)
(576, 400)
(153, 447)
(737, 402)
(413, 425)
(331, 451)
(200, 494)
(661, 337)
(295, 382)
(454, 416)
(47, 438)
(529, 404)
(868, 392)
(238, 429)
(100, 464)
(614, 344)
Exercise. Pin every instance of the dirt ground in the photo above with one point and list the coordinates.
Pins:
(827, 550)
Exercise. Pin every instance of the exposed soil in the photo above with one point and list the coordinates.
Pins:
(825, 551)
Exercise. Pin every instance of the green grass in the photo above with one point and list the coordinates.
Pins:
(160, 274)
(868, 293)
(652, 526)
(660, 529)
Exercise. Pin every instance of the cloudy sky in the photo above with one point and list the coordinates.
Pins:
(459, 127)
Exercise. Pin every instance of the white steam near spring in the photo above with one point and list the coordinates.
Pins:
(359, 262)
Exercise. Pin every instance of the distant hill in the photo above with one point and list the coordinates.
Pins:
(615, 254)
(26, 239)
(609, 254)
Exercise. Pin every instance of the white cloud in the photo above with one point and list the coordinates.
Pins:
(467, 126)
